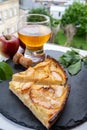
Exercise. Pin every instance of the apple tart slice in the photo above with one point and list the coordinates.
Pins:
(45, 101)
(43, 89)
(46, 72)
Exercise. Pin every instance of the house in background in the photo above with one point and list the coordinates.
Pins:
(58, 10)
(56, 7)
(29, 4)
(9, 13)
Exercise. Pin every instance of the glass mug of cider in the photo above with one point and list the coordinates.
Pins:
(34, 30)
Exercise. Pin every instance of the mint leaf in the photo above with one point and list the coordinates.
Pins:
(5, 71)
(85, 62)
(62, 61)
(73, 61)
(75, 68)
(68, 58)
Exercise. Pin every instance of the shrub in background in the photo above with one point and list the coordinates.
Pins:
(42, 10)
(76, 14)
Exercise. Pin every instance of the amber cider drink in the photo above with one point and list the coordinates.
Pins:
(34, 36)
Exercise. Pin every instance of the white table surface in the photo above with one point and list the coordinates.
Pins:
(9, 125)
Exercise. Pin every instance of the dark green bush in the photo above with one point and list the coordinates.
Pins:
(36, 19)
(44, 11)
(76, 14)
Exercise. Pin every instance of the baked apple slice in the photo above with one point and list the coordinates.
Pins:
(46, 72)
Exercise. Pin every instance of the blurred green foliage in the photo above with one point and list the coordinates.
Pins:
(43, 10)
(76, 14)
(77, 42)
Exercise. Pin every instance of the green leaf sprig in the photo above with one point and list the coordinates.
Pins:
(5, 71)
(72, 60)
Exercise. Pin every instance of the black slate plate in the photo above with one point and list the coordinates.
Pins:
(74, 113)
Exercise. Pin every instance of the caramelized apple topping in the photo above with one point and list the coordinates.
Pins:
(47, 96)
(26, 85)
(56, 76)
(48, 72)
